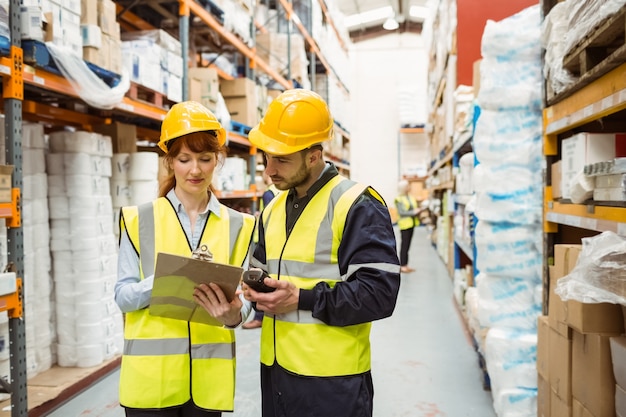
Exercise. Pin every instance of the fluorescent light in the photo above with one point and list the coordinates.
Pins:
(369, 16)
(420, 12)
(391, 24)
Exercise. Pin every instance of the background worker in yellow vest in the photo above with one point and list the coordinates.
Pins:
(175, 368)
(329, 248)
(408, 209)
(268, 195)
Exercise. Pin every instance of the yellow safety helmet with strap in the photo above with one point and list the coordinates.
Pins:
(189, 117)
(294, 120)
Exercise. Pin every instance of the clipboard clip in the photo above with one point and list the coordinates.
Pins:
(202, 253)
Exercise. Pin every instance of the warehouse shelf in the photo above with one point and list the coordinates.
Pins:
(591, 217)
(312, 44)
(466, 247)
(441, 162)
(445, 186)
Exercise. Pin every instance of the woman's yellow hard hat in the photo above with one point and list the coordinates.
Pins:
(189, 117)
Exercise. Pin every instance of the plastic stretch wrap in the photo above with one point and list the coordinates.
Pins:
(91, 88)
(516, 36)
(600, 272)
(509, 137)
(508, 193)
(511, 357)
(509, 250)
(553, 34)
(585, 15)
(508, 302)
(522, 81)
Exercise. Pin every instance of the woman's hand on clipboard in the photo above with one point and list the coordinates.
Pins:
(211, 297)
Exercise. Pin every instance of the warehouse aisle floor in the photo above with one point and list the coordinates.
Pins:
(423, 363)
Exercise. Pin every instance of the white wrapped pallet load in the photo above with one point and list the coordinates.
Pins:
(55, 164)
(515, 37)
(509, 137)
(143, 191)
(522, 81)
(511, 357)
(508, 301)
(34, 186)
(507, 249)
(96, 205)
(33, 161)
(120, 193)
(508, 194)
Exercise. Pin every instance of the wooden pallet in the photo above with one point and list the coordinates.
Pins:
(600, 51)
(147, 95)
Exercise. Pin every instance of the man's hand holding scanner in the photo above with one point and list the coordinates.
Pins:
(279, 297)
(211, 297)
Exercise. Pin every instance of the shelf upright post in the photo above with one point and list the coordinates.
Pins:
(13, 94)
(183, 12)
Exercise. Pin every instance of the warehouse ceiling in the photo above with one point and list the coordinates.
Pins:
(365, 18)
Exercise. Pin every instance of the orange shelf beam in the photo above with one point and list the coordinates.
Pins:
(238, 194)
(236, 42)
(237, 138)
(10, 211)
(132, 19)
(12, 303)
(40, 112)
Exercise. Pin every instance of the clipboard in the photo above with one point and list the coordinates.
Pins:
(175, 278)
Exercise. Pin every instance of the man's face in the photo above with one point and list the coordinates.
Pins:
(287, 171)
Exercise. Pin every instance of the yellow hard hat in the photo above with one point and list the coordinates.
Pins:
(189, 117)
(294, 120)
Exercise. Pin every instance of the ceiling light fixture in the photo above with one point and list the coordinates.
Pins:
(391, 24)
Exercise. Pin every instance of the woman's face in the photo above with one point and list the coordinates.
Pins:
(194, 171)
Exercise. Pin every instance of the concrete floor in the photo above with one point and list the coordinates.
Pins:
(423, 362)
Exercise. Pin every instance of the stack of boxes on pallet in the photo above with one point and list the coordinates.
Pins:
(101, 35)
(153, 58)
(574, 362)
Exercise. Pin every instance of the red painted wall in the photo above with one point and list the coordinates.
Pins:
(472, 15)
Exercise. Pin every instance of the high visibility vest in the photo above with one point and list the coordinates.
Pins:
(406, 203)
(297, 341)
(167, 362)
(272, 189)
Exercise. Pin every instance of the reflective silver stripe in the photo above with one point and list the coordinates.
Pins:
(180, 346)
(298, 316)
(380, 266)
(305, 269)
(146, 238)
(255, 263)
(235, 225)
(156, 347)
(213, 351)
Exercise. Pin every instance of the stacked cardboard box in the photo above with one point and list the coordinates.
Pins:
(204, 87)
(100, 34)
(573, 354)
(242, 100)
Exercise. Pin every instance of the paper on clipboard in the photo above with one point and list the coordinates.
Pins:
(175, 278)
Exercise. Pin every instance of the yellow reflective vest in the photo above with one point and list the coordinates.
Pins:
(296, 341)
(406, 203)
(167, 362)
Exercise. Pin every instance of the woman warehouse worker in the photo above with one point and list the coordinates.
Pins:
(174, 367)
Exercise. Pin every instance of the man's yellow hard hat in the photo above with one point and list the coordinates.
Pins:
(294, 120)
(189, 117)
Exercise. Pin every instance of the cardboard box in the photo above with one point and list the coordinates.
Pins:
(204, 86)
(560, 365)
(243, 110)
(543, 397)
(618, 357)
(6, 172)
(239, 87)
(107, 18)
(543, 350)
(558, 407)
(565, 258)
(602, 318)
(557, 185)
(593, 383)
(123, 136)
(89, 12)
(579, 410)
(476, 76)
(620, 401)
